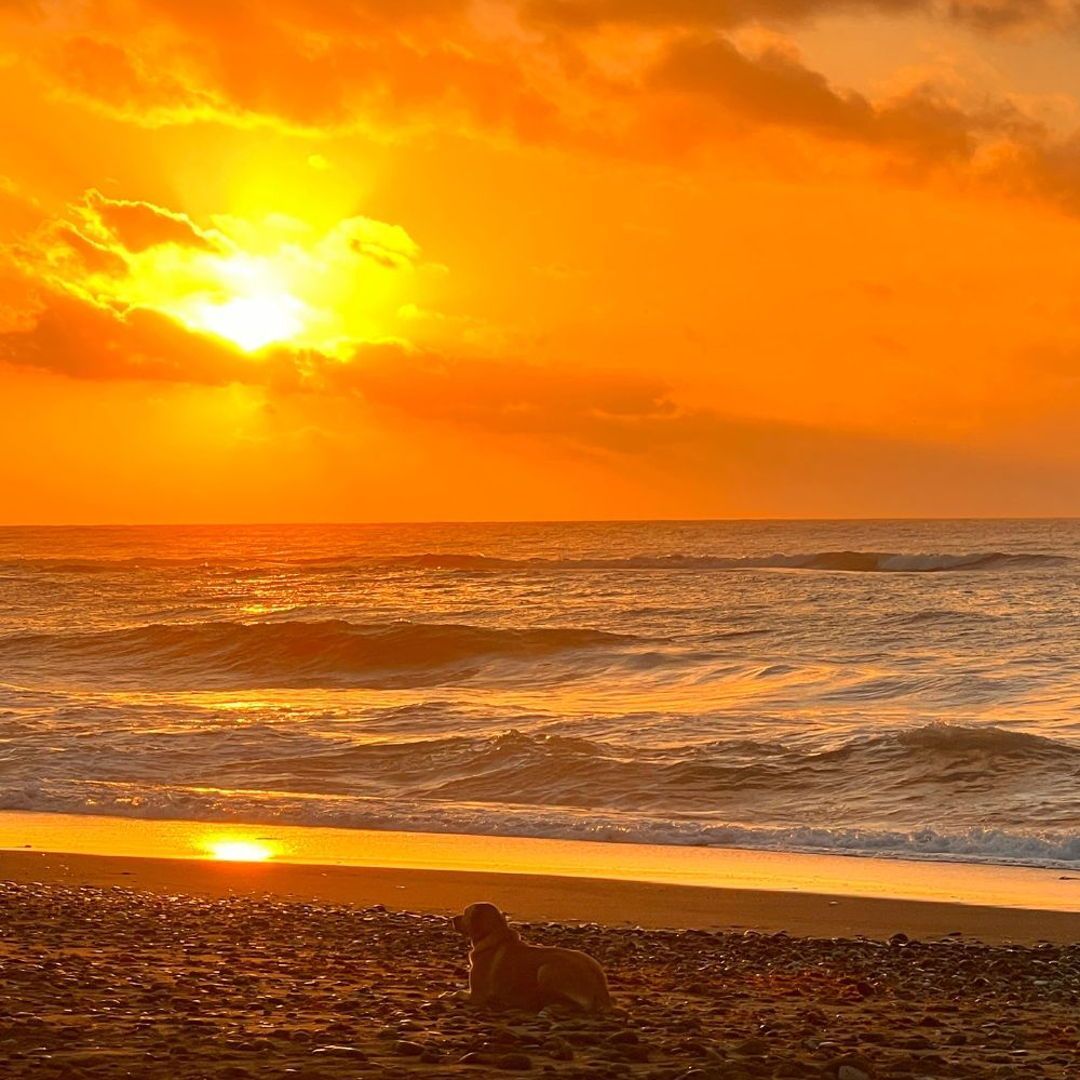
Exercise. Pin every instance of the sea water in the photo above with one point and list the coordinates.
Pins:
(905, 688)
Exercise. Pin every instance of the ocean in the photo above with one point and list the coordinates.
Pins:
(887, 688)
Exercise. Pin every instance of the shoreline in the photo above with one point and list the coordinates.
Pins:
(551, 898)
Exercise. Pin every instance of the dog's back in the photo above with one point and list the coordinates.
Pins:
(535, 976)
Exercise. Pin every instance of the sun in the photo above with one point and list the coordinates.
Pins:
(251, 322)
(232, 849)
(250, 302)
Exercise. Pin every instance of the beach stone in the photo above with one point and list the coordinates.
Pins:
(850, 1072)
(514, 1062)
(752, 1048)
(559, 1049)
(850, 1067)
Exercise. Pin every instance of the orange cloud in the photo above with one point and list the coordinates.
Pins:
(611, 411)
(393, 70)
(303, 67)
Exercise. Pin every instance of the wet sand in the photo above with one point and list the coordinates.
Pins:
(545, 898)
(116, 967)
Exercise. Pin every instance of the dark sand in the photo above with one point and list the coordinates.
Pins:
(542, 898)
(191, 970)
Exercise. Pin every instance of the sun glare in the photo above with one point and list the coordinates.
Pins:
(231, 849)
(274, 281)
(252, 322)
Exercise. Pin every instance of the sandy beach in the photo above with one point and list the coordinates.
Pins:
(122, 967)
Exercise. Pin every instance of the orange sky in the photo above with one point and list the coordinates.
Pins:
(356, 260)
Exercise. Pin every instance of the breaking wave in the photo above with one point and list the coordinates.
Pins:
(851, 561)
(878, 789)
(290, 653)
(829, 561)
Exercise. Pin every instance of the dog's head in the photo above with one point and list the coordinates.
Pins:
(479, 920)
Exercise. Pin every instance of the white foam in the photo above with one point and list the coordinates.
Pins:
(1045, 848)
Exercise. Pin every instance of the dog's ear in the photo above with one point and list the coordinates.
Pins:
(481, 919)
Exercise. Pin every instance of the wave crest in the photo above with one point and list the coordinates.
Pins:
(293, 653)
(880, 562)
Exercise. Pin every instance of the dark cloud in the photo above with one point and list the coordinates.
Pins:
(71, 337)
(777, 88)
(92, 257)
(988, 15)
(595, 408)
(992, 144)
(84, 341)
(760, 463)
(140, 225)
(996, 16)
(713, 13)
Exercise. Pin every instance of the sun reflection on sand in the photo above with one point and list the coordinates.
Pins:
(234, 849)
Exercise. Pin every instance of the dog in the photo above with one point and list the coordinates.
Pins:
(505, 972)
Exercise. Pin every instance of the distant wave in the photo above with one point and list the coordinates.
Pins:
(833, 561)
(851, 561)
(290, 653)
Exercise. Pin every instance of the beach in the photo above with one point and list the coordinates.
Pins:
(116, 966)
(805, 789)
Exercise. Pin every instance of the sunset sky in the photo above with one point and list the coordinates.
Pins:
(349, 260)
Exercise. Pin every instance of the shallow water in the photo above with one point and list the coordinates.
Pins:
(905, 688)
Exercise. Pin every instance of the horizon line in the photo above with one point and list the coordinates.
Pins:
(536, 521)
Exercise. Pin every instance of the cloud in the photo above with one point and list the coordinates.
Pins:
(988, 15)
(593, 408)
(776, 88)
(140, 225)
(71, 336)
(310, 68)
(711, 13)
(988, 144)
(997, 16)
(759, 464)
(398, 69)
(563, 412)
(272, 280)
(75, 338)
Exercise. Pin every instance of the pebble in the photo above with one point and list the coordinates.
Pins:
(104, 983)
